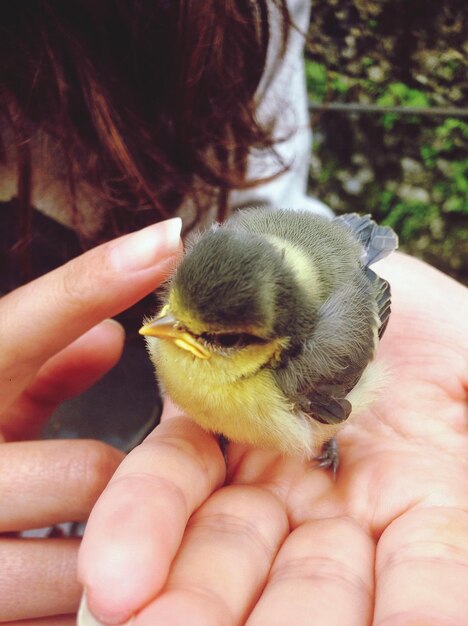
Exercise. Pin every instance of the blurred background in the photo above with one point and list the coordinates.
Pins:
(409, 170)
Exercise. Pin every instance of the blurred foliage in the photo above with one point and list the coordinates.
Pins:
(399, 94)
(409, 171)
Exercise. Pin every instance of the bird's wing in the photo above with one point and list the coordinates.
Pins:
(325, 408)
(377, 241)
(383, 298)
(326, 401)
(324, 369)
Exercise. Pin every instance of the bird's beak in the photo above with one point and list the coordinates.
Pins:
(165, 326)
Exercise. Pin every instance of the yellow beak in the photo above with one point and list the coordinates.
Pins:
(165, 326)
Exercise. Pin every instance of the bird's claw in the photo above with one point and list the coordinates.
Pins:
(329, 458)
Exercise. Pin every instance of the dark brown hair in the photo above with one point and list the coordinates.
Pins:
(150, 101)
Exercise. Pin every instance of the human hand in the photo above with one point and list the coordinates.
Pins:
(172, 540)
(54, 345)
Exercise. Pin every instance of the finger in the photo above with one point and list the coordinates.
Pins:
(422, 569)
(322, 575)
(38, 578)
(425, 351)
(48, 482)
(68, 373)
(223, 562)
(416, 279)
(170, 410)
(138, 523)
(59, 620)
(41, 318)
(424, 300)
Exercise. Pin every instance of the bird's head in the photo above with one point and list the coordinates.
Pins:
(234, 296)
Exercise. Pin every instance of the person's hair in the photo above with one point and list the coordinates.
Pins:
(149, 101)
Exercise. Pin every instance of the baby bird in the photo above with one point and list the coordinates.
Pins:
(270, 325)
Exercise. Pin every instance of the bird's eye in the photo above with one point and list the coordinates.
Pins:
(231, 340)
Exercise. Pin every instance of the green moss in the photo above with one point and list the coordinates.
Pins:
(399, 94)
(340, 85)
(317, 80)
(367, 61)
(411, 218)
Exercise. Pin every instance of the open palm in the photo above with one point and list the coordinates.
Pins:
(275, 542)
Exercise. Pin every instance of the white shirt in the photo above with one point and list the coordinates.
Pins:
(285, 99)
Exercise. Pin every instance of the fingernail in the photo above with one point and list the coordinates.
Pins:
(86, 618)
(114, 323)
(146, 247)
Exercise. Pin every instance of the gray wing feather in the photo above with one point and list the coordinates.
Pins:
(330, 363)
(383, 298)
(377, 241)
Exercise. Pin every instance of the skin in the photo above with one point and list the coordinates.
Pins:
(55, 344)
(272, 542)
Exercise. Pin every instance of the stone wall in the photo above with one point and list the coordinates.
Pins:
(410, 171)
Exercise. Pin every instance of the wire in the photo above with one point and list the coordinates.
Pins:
(355, 107)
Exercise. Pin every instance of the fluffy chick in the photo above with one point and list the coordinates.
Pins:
(269, 324)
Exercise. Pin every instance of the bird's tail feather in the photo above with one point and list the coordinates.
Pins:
(377, 241)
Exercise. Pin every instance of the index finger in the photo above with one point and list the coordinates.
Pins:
(41, 318)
